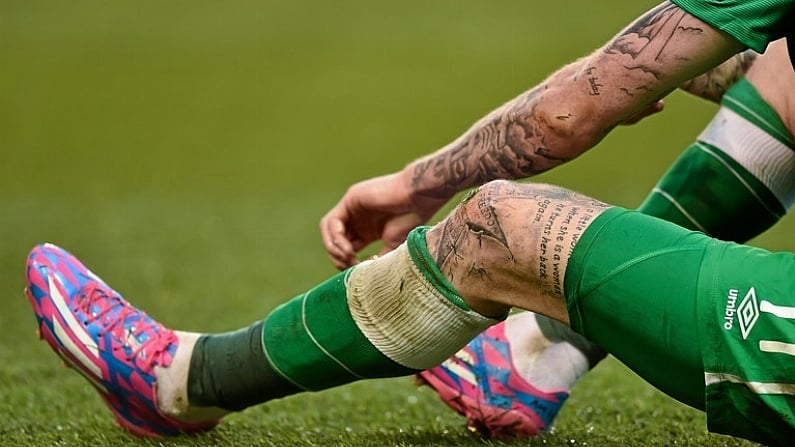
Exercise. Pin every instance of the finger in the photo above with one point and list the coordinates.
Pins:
(339, 237)
(341, 260)
(343, 264)
(332, 232)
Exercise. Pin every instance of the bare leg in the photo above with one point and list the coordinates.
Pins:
(508, 245)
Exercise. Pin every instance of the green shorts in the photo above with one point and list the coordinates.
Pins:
(705, 321)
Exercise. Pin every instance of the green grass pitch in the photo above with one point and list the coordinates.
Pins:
(186, 151)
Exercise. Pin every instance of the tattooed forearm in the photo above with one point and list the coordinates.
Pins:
(574, 108)
(648, 37)
(714, 83)
(509, 143)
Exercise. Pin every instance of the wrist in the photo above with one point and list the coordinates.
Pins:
(422, 190)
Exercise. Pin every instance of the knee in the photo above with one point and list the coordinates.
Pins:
(501, 201)
(480, 213)
(487, 199)
(487, 221)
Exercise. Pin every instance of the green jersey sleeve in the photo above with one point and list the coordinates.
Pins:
(754, 23)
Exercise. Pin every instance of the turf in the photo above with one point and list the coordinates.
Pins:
(186, 151)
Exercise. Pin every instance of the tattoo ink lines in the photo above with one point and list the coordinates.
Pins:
(461, 233)
(447, 248)
(646, 43)
(593, 81)
(562, 217)
(491, 228)
(508, 144)
(650, 34)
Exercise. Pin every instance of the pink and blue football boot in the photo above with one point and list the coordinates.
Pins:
(99, 334)
(481, 383)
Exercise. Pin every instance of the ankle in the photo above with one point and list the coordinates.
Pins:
(539, 345)
(172, 385)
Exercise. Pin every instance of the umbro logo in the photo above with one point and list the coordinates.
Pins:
(747, 312)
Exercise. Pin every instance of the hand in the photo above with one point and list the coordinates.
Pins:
(378, 208)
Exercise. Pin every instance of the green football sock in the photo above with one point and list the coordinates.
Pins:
(710, 192)
(309, 343)
(390, 317)
(707, 189)
(313, 341)
(230, 371)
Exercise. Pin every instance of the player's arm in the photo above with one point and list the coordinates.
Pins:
(710, 85)
(576, 106)
(714, 83)
(546, 126)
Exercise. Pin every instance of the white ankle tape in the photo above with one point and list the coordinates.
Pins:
(404, 316)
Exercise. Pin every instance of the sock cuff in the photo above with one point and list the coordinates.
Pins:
(744, 99)
(421, 257)
(755, 149)
(412, 320)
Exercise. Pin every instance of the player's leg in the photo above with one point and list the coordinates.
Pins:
(632, 290)
(705, 321)
(654, 294)
(629, 281)
(733, 183)
(397, 315)
(675, 305)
